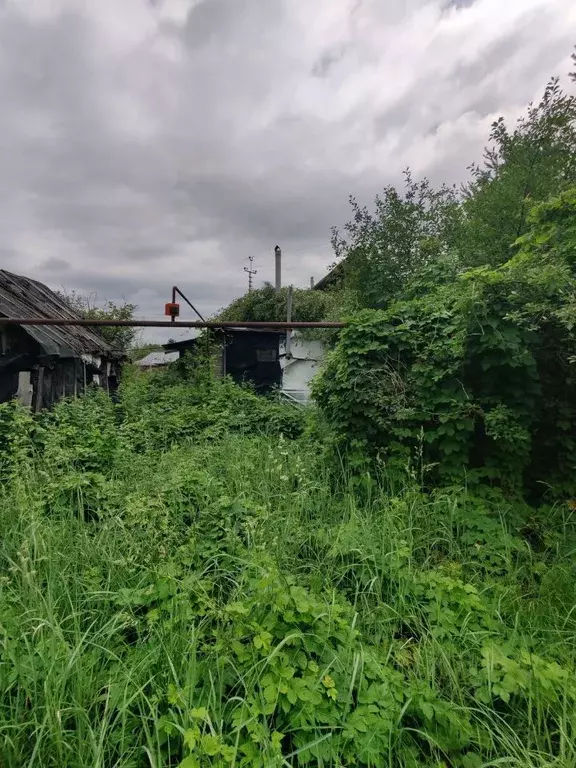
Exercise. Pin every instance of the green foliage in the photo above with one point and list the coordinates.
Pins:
(267, 305)
(189, 579)
(119, 338)
(211, 597)
(521, 167)
(386, 249)
(162, 409)
(418, 229)
(473, 378)
(17, 430)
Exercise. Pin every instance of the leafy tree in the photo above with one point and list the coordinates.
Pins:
(87, 306)
(383, 251)
(268, 305)
(386, 248)
(474, 376)
(522, 167)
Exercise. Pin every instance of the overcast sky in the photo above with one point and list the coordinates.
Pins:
(152, 142)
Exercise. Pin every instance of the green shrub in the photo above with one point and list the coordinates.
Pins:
(474, 380)
(183, 585)
(164, 409)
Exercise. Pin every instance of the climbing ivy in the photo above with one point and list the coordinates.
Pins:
(473, 377)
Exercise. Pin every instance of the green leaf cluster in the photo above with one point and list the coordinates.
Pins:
(473, 378)
(221, 597)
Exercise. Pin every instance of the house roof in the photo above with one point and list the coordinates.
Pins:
(219, 333)
(157, 358)
(25, 298)
(336, 274)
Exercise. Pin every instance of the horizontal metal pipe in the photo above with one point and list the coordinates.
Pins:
(162, 323)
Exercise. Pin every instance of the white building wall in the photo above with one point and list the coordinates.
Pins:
(300, 367)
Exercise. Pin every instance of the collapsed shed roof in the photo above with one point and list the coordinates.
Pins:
(25, 298)
(154, 359)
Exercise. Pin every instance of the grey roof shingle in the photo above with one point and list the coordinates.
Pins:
(25, 298)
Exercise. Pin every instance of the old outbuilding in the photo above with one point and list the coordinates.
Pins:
(41, 364)
(262, 359)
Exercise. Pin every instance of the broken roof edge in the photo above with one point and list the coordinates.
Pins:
(24, 297)
(157, 358)
(221, 332)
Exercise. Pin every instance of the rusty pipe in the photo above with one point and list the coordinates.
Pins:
(92, 322)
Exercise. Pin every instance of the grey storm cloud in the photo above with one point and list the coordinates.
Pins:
(153, 142)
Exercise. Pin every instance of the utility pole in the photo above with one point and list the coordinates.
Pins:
(278, 259)
(250, 273)
(288, 348)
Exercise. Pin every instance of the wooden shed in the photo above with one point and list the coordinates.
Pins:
(261, 358)
(246, 355)
(41, 364)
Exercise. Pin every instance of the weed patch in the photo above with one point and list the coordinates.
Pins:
(185, 582)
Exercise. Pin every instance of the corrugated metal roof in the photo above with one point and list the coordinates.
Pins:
(22, 297)
(158, 358)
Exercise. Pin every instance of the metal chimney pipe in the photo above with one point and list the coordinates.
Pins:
(278, 258)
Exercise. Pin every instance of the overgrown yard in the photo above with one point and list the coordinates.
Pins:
(188, 578)
(197, 577)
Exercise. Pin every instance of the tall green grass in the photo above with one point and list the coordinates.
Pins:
(230, 598)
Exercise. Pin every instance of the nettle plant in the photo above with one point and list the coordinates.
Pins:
(17, 433)
(301, 684)
(474, 376)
